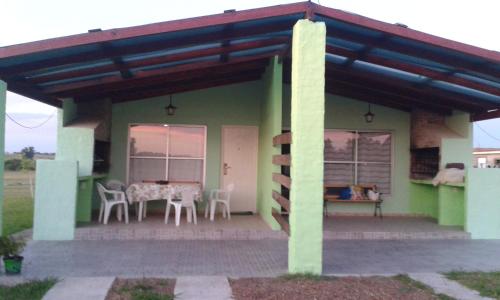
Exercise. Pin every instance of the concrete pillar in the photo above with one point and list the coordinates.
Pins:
(305, 245)
(3, 100)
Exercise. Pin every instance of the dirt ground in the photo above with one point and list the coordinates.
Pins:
(142, 288)
(399, 287)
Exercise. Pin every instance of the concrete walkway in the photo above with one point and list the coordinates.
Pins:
(442, 285)
(251, 258)
(202, 287)
(83, 288)
(218, 288)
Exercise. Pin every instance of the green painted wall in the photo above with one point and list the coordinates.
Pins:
(451, 205)
(74, 143)
(55, 200)
(424, 199)
(270, 126)
(238, 104)
(346, 113)
(305, 245)
(482, 208)
(3, 100)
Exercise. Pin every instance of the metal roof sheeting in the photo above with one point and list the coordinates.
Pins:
(94, 65)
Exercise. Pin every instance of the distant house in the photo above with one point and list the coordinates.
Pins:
(487, 157)
(280, 101)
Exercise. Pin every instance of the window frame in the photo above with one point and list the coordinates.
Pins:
(355, 162)
(167, 157)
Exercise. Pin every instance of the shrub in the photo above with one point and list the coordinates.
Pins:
(14, 164)
(28, 164)
(10, 246)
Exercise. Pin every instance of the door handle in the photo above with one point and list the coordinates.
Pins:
(226, 167)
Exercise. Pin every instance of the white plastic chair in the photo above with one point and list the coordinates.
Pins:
(221, 196)
(116, 185)
(187, 201)
(117, 198)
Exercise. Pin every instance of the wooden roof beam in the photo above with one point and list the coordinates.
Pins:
(224, 57)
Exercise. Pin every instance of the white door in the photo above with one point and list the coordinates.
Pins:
(239, 165)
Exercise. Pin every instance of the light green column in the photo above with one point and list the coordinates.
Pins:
(55, 200)
(482, 208)
(451, 205)
(270, 126)
(305, 245)
(74, 143)
(3, 100)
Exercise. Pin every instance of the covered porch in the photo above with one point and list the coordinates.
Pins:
(273, 100)
(253, 227)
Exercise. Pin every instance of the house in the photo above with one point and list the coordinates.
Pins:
(359, 101)
(486, 157)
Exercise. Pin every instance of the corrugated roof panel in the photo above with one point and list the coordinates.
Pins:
(78, 79)
(336, 59)
(410, 77)
(167, 52)
(436, 50)
(466, 91)
(176, 63)
(46, 55)
(263, 37)
(169, 36)
(344, 44)
(337, 25)
(409, 59)
(268, 21)
(477, 79)
(256, 51)
(71, 67)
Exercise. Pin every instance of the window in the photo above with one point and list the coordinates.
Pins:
(167, 152)
(358, 157)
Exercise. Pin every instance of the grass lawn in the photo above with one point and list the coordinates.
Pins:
(18, 204)
(142, 289)
(33, 290)
(486, 283)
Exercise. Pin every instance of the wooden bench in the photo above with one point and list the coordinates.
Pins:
(331, 194)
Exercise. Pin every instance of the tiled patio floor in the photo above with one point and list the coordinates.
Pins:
(249, 227)
(251, 258)
(393, 228)
(153, 228)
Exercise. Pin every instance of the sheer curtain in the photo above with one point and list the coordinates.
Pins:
(165, 152)
(357, 157)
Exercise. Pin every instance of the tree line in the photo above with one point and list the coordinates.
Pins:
(26, 162)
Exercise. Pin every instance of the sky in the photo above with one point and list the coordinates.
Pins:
(473, 22)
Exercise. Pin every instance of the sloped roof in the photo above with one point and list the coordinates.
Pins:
(366, 59)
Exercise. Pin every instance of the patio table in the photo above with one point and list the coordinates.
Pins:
(143, 192)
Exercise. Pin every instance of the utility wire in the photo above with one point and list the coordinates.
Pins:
(487, 133)
(30, 127)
